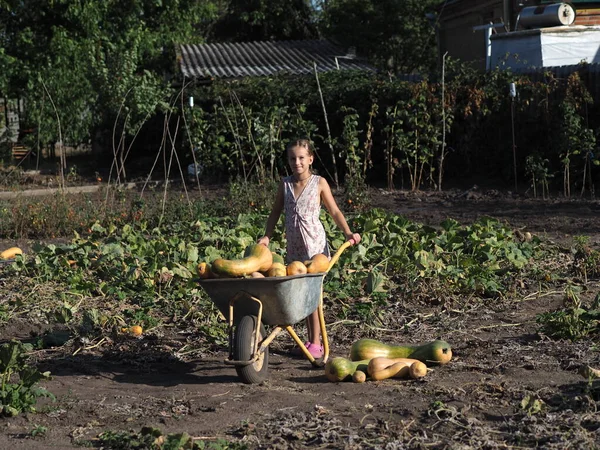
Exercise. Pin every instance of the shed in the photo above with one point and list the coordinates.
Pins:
(465, 26)
(547, 47)
(265, 58)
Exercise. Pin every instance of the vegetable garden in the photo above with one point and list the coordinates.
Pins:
(107, 340)
(110, 342)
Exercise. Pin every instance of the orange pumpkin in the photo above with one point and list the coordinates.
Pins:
(296, 268)
(317, 264)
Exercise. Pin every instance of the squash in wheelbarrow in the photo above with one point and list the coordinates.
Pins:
(437, 352)
(317, 264)
(277, 270)
(296, 268)
(258, 259)
(277, 258)
(204, 271)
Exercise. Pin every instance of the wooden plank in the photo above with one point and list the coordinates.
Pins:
(19, 151)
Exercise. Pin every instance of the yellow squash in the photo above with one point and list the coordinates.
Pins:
(259, 259)
(10, 253)
(381, 368)
(436, 352)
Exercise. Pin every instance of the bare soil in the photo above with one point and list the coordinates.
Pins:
(502, 370)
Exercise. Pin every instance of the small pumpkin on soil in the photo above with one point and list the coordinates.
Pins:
(359, 376)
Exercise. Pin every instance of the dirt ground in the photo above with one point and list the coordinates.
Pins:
(486, 398)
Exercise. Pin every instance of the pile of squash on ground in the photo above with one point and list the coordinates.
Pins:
(259, 262)
(374, 360)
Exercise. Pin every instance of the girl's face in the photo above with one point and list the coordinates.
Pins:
(300, 159)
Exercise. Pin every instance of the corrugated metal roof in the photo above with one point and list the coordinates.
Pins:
(252, 59)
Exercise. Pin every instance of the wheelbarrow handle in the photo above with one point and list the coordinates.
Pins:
(339, 252)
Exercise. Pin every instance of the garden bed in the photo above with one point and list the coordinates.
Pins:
(509, 385)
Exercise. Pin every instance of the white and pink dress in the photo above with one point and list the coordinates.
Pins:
(304, 231)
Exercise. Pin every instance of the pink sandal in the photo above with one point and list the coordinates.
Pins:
(297, 351)
(315, 350)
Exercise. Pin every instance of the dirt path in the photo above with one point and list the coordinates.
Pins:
(87, 189)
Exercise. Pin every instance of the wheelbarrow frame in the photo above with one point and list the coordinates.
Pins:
(278, 307)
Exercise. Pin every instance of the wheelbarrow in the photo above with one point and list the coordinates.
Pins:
(252, 303)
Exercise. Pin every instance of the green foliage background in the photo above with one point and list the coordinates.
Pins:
(106, 73)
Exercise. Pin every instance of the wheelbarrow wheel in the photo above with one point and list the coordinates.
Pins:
(243, 343)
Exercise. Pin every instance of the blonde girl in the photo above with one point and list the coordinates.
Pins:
(299, 197)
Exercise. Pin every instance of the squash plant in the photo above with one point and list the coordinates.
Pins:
(20, 394)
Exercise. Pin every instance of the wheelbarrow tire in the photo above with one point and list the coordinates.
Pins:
(244, 339)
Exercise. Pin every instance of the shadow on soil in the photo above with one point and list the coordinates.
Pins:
(157, 369)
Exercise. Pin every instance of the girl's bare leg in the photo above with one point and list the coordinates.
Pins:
(314, 328)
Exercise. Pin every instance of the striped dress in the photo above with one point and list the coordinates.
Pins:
(304, 231)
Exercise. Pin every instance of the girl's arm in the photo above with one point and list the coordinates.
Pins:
(274, 216)
(332, 207)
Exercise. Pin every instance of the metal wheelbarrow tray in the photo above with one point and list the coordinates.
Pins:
(285, 300)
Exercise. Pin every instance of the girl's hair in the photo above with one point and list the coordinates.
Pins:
(303, 142)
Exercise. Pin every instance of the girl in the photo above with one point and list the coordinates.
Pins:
(300, 196)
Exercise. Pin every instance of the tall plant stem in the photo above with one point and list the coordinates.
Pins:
(167, 174)
(37, 161)
(185, 124)
(251, 138)
(115, 162)
(443, 151)
(514, 146)
(329, 140)
(63, 157)
(158, 153)
(235, 133)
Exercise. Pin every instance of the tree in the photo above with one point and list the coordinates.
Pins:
(395, 34)
(104, 65)
(260, 20)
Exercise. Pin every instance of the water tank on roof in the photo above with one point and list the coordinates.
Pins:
(543, 16)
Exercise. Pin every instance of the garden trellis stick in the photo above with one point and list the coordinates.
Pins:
(235, 134)
(329, 140)
(63, 157)
(443, 152)
(185, 124)
(115, 162)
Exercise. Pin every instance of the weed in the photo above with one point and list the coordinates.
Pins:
(532, 405)
(573, 321)
(153, 439)
(20, 395)
(586, 259)
(38, 431)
